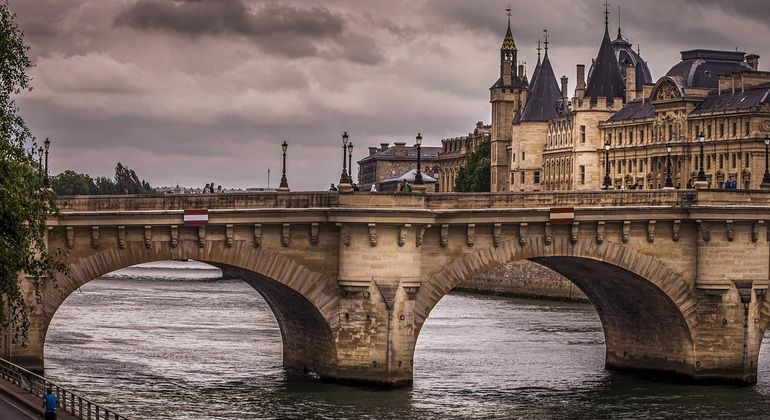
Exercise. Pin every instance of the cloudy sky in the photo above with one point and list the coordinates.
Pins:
(193, 91)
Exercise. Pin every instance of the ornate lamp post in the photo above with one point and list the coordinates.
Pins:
(46, 180)
(344, 177)
(766, 178)
(284, 186)
(701, 172)
(40, 160)
(669, 182)
(418, 175)
(607, 181)
(350, 162)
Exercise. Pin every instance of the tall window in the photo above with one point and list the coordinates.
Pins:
(721, 130)
(523, 177)
(609, 138)
(582, 134)
(641, 136)
(746, 129)
(536, 177)
(708, 131)
(620, 138)
(523, 155)
(735, 129)
(671, 132)
(631, 137)
(582, 174)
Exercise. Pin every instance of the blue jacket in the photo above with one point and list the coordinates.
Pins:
(50, 403)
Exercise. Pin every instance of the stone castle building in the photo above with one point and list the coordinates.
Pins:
(387, 162)
(542, 140)
(455, 153)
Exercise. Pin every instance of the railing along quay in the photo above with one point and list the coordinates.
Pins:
(68, 401)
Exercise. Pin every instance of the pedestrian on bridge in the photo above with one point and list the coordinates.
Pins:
(50, 403)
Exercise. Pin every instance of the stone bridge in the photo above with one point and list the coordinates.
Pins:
(678, 278)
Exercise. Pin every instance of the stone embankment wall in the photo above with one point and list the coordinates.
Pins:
(523, 279)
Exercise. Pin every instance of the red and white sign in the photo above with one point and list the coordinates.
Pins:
(562, 215)
(196, 217)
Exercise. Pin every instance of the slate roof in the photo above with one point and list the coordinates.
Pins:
(508, 42)
(536, 71)
(544, 98)
(728, 101)
(429, 154)
(701, 68)
(625, 54)
(605, 80)
(634, 110)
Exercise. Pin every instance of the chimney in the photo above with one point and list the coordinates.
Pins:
(753, 61)
(580, 89)
(564, 95)
(384, 146)
(521, 70)
(630, 83)
(400, 149)
(508, 68)
(372, 150)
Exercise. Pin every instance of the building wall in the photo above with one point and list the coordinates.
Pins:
(455, 154)
(527, 155)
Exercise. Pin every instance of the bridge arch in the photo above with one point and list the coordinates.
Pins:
(647, 311)
(303, 301)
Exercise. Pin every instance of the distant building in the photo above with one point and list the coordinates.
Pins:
(393, 161)
(455, 153)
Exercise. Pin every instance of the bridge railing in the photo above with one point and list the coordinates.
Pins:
(68, 401)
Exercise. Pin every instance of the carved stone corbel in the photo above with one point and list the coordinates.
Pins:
(403, 233)
(522, 234)
(314, 233)
(228, 235)
(344, 233)
(148, 236)
(70, 236)
(444, 236)
(651, 231)
(730, 230)
(201, 236)
(174, 236)
(121, 237)
(470, 238)
(285, 234)
(755, 230)
(420, 234)
(95, 236)
(257, 235)
(497, 234)
(675, 230)
(548, 233)
(626, 231)
(705, 233)
(600, 232)
(573, 234)
(372, 234)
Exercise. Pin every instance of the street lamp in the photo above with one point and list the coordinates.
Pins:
(40, 159)
(344, 179)
(418, 175)
(46, 180)
(284, 186)
(766, 178)
(701, 173)
(350, 162)
(607, 181)
(669, 182)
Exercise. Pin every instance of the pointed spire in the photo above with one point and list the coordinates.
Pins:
(544, 96)
(508, 43)
(605, 79)
(606, 17)
(620, 35)
(545, 41)
(538, 52)
(537, 66)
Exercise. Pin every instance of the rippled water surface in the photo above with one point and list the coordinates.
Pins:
(172, 340)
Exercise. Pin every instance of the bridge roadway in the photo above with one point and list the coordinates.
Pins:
(678, 278)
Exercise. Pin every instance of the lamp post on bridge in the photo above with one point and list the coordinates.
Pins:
(701, 182)
(607, 181)
(350, 162)
(418, 145)
(669, 182)
(766, 178)
(345, 185)
(284, 186)
(46, 180)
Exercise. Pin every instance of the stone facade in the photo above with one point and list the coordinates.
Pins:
(392, 161)
(523, 279)
(678, 278)
(455, 153)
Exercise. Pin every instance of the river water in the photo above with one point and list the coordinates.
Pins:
(172, 340)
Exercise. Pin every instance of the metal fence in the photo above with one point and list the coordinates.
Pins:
(68, 400)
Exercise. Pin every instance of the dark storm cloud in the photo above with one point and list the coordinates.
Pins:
(278, 29)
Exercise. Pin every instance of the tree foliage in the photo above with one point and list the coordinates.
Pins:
(475, 175)
(25, 203)
(126, 181)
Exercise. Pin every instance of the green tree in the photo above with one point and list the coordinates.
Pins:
(127, 182)
(70, 182)
(25, 203)
(475, 175)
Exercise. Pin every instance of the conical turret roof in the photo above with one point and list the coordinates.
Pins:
(508, 43)
(605, 80)
(544, 98)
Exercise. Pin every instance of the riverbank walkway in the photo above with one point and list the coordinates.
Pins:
(21, 397)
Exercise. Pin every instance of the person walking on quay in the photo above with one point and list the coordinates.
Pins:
(332, 188)
(50, 403)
